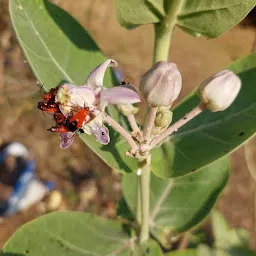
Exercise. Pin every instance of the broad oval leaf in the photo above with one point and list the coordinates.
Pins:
(76, 234)
(210, 136)
(179, 204)
(69, 233)
(208, 18)
(59, 49)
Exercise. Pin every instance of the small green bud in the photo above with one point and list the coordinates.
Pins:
(162, 120)
(127, 109)
(163, 117)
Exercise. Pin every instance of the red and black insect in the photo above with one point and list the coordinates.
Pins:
(70, 124)
(49, 107)
(50, 96)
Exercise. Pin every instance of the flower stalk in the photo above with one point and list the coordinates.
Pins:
(173, 128)
(149, 123)
(115, 125)
(135, 129)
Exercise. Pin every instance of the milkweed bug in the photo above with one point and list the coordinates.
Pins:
(70, 124)
(48, 107)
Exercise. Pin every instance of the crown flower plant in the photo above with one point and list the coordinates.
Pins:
(173, 162)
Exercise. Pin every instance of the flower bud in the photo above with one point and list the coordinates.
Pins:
(127, 109)
(163, 117)
(220, 90)
(161, 84)
(162, 120)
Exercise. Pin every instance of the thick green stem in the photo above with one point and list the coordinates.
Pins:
(163, 31)
(144, 180)
(138, 204)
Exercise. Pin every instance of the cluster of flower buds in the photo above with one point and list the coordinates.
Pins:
(81, 108)
(161, 85)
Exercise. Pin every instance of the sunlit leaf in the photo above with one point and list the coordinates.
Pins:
(59, 49)
(208, 18)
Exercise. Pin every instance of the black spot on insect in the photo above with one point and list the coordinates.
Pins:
(103, 133)
(184, 117)
(27, 251)
(241, 134)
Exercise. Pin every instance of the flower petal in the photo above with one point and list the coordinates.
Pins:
(101, 133)
(118, 95)
(95, 78)
(75, 97)
(66, 139)
(97, 128)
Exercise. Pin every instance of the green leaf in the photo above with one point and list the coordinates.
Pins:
(70, 233)
(75, 234)
(130, 13)
(151, 247)
(204, 250)
(59, 49)
(208, 18)
(210, 136)
(123, 210)
(188, 252)
(228, 242)
(178, 204)
(225, 237)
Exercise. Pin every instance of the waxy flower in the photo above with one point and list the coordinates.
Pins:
(220, 90)
(96, 97)
(161, 84)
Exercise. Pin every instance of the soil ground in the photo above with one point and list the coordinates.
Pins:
(85, 182)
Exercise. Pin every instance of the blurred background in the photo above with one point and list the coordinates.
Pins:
(83, 180)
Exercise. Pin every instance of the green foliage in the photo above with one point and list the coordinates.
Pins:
(75, 234)
(208, 18)
(150, 248)
(229, 241)
(188, 252)
(59, 49)
(178, 204)
(209, 136)
(70, 233)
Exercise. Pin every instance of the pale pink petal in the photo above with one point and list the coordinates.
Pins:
(68, 86)
(118, 95)
(81, 96)
(101, 133)
(66, 139)
(95, 78)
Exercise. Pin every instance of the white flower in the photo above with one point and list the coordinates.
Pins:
(96, 97)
